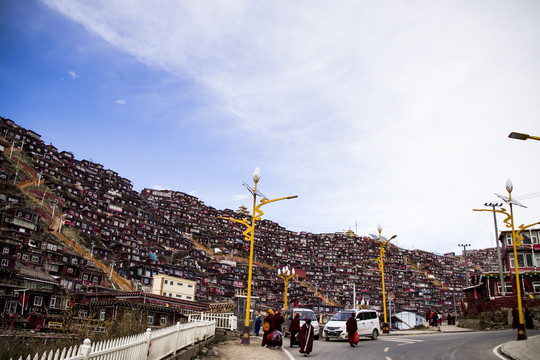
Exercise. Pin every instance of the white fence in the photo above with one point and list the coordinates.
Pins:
(152, 345)
(223, 320)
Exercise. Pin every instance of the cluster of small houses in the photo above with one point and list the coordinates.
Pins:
(161, 232)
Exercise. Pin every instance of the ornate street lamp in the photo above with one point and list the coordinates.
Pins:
(382, 242)
(517, 240)
(249, 235)
(286, 274)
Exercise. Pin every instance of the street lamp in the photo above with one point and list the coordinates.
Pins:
(517, 240)
(520, 136)
(466, 264)
(249, 235)
(499, 259)
(382, 242)
(286, 274)
(354, 293)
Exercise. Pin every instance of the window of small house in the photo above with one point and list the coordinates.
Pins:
(150, 319)
(536, 286)
(507, 287)
(5, 250)
(5, 262)
(102, 313)
(163, 320)
(53, 302)
(38, 301)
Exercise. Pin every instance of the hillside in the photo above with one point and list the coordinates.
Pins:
(111, 231)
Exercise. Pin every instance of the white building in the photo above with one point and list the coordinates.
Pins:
(174, 287)
(408, 320)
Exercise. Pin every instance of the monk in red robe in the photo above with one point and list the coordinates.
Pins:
(268, 329)
(306, 338)
(294, 328)
(352, 328)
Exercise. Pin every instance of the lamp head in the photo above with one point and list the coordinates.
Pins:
(379, 228)
(519, 136)
(509, 186)
(257, 175)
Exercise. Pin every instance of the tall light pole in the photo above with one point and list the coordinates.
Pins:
(466, 264)
(286, 274)
(517, 240)
(249, 235)
(520, 136)
(354, 293)
(501, 276)
(382, 242)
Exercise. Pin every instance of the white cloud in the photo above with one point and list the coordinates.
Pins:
(73, 74)
(121, 102)
(391, 112)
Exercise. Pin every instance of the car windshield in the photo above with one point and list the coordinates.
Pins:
(342, 316)
(307, 314)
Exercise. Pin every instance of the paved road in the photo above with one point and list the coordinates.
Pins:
(451, 346)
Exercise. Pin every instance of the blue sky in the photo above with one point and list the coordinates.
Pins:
(383, 112)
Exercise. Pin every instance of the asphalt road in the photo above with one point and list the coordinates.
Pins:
(449, 346)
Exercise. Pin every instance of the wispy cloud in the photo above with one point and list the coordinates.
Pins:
(392, 112)
(73, 74)
(121, 102)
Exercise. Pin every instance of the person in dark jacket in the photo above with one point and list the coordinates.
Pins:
(294, 329)
(352, 328)
(258, 323)
(529, 323)
(278, 320)
(306, 338)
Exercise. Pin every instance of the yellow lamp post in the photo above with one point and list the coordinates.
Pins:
(286, 274)
(520, 136)
(382, 242)
(249, 235)
(517, 240)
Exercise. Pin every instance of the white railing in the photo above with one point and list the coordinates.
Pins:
(223, 320)
(151, 345)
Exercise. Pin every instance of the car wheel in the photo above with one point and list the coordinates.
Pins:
(374, 335)
(316, 337)
(327, 338)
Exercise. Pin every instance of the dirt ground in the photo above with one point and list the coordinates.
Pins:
(234, 350)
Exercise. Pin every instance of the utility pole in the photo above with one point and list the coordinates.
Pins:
(499, 259)
(466, 264)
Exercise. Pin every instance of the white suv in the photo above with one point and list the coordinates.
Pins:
(367, 321)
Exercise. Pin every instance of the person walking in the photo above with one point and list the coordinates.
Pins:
(278, 320)
(306, 338)
(258, 323)
(294, 329)
(352, 328)
(529, 323)
(515, 318)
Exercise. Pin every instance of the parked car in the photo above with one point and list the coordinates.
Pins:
(367, 321)
(288, 315)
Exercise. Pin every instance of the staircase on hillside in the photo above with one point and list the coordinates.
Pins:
(56, 226)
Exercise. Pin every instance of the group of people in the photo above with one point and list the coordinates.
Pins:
(273, 336)
(527, 316)
(433, 318)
